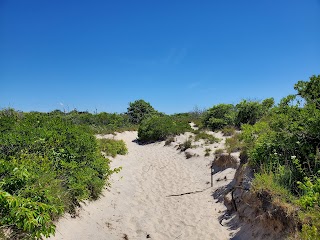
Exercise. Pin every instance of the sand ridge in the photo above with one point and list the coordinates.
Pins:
(147, 198)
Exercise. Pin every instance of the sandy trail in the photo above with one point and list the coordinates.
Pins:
(138, 205)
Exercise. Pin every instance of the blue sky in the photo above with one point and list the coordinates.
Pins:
(174, 54)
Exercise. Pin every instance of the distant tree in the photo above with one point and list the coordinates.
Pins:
(139, 110)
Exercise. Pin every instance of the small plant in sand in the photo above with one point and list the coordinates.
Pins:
(233, 144)
(209, 139)
(185, 145)
(169, 141)
(218, 151)
(228, 131)
(207, 152)
(190, 155)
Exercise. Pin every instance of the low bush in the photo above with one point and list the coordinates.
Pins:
(158, 128)
(284, 145)
(48, 165)
(249, 112)
(112, 147)
(219, 116)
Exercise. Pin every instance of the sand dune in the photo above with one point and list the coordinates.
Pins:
(159, 194)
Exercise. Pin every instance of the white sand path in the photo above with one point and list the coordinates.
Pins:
(137, 206)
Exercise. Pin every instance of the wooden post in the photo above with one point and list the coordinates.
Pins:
(211, 168)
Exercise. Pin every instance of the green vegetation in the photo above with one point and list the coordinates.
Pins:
(158, 128)
(219, 116)
(249, 112)
(218, 151)
(207, 152)
(209, 139)
(100, 123)
(48, 165)
(185, 145)
(228, 131)
(233, 144)
(112, 147)
(285, 144)
(50, 162)
(169, 140)
(140, 110)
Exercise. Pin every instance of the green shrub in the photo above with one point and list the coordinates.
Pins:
(139, 110)
(219, 116)
(310, 90)
(158, 128)
(249, 112)
(112, 147)
(285, 145)
(47, 166)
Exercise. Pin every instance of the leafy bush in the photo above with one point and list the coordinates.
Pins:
(101, 123)
(310, 193)
(249, 112)
(285, 144)
(219, 116)
(158, 128)
(310, 90)
(47, 166)
(139, 110)
(112, 147)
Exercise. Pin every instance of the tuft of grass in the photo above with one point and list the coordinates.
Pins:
(233, 144)
(218, 151)
(209, 139)
(168, 141)
(267, 182)
(228, 130)
(112, 147)
(207, 152)
(188, 155)
(185, 145)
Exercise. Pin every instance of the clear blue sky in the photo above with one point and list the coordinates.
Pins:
(174, 54)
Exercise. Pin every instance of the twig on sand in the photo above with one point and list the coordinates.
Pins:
(181, 194)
